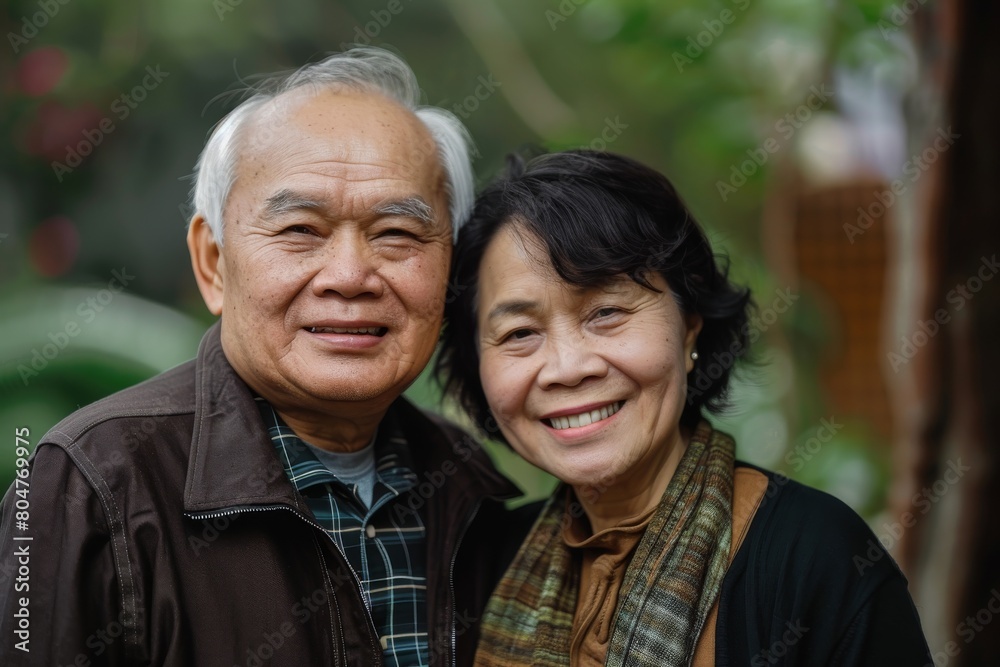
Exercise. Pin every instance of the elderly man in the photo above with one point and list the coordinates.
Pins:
(275, 501)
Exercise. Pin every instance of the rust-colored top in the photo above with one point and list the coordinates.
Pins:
(604, 559)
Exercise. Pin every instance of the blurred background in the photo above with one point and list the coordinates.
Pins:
(843, 154)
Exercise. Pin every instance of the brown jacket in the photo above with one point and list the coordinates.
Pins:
(165, 532)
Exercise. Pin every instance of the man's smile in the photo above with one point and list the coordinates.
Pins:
(370, 331)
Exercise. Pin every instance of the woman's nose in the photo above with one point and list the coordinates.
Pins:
(568, 360)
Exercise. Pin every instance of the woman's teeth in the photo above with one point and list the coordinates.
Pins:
(371, 331)
(585, 418)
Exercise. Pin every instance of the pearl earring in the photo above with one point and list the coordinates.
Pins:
(694, 356)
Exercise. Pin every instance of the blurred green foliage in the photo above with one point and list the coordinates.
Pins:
(687, 86)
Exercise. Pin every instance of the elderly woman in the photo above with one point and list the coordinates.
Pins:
(592, 329)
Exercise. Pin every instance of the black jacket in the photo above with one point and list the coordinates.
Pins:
(811, 585)
(165, 532)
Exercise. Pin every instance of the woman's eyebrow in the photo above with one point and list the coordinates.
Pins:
(507, 308)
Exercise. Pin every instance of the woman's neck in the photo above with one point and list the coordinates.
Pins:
(636, 492)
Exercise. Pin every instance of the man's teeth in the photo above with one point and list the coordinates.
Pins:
(372, 331)
(585, 418)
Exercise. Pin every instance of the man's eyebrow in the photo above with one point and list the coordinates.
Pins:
(508, 308)
(410, 207)
(286, 201)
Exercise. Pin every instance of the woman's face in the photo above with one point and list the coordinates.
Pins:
(585, 383)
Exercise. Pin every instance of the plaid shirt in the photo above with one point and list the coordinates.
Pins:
(385, 548)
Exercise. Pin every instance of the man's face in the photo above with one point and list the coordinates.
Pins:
(337, 248)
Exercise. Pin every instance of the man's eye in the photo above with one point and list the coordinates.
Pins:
(395, 231)
(298, 229)
(607, 312)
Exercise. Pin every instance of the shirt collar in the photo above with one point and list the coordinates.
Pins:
(393, 461)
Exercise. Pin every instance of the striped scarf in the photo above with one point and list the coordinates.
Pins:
(669, 587)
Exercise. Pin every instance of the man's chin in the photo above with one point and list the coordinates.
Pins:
(352, 392)
(325, 382)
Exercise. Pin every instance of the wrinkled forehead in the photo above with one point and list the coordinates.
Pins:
(358, 129)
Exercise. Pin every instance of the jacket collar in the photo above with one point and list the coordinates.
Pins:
(233, 461)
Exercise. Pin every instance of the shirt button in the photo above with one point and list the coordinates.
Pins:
(370, 531)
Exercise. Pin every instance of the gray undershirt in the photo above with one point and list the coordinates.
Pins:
(355, 469)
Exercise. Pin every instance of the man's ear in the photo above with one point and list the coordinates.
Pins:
(207, 262)
(694, 324)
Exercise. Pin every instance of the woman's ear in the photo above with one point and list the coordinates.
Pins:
(207, 262)
(694, 324)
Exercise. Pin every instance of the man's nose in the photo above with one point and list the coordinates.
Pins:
(568, 360)
(348, 267)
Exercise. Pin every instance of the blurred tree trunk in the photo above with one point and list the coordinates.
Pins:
(947, 402)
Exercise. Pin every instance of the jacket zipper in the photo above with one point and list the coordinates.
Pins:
(268, 508)
(451, 583)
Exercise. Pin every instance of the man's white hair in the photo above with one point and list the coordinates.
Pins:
(364, 69)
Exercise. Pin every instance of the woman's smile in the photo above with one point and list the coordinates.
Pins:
(573, 418)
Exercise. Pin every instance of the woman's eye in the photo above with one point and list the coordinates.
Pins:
(607, 312)
(519, 334)
(298, 229)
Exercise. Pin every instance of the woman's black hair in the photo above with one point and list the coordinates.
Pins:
(599, 215)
